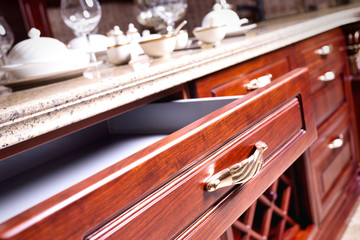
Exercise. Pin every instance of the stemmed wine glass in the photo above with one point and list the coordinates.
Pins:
(161, 14)
(82, 16)
(6, 40)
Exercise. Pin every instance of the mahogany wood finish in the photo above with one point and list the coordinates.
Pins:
(328, 95)
(332, 168)
(270, 216)
(232, 81)
(161, 188)
(221, 215)
(328, 172)
(331, 173)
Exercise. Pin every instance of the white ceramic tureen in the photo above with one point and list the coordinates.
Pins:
(223, 15)
(38, 56)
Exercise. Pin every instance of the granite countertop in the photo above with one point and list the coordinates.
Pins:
(32, 112)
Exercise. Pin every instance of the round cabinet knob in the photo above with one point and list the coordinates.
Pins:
(327, 77)
(324, 50)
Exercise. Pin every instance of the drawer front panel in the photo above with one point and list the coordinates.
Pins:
(238, 86)
(332, 159)
(232, 81)
(328, 98)
(321, 49)
(183, 199)
(312, 58)
(324, 74)
(190, 186)
(102, 204)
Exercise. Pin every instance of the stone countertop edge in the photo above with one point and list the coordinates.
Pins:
(30, 113)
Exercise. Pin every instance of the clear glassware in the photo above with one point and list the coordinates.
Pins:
(82, 16)
(6, 40)
(161, 14)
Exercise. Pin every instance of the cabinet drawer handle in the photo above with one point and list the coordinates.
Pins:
(259, 82)
(324, 50)
(337, 143)
(327, 77)
(239, 172)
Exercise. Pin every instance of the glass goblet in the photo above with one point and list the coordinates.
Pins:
(6, 40)
(82, 16)
(161, 14)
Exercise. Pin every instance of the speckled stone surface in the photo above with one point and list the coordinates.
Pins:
(29, 113)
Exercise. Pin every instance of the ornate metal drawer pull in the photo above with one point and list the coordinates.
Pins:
(337, 143)
(259, 82)
(240, 172)
(324, 50)
(329, 76)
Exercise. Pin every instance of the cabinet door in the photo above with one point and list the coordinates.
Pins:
(332, 160)
(160, 191)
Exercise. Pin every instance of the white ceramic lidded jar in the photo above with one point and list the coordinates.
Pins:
(37, 49)
(223, 15)
(119, 52)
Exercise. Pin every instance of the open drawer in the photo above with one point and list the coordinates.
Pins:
(156, 190)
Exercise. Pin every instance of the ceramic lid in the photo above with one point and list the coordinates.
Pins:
(37, 49)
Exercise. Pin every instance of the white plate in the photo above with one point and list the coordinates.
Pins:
(241, 30)
(17, 84)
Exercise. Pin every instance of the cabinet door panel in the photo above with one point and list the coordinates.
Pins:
(332, 160)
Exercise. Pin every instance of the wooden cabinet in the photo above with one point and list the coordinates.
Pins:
(151, 173)
(332, 160)
(331, 163)
(158, 192)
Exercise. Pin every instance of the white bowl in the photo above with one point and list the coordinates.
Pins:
(211, 34)
(119, 54)
(160, 46)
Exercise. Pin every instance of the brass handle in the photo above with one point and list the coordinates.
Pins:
(324, 50)
(259, 82)
(337, 143)
(328, 76)
(239, 172)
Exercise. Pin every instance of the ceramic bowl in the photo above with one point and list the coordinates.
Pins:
(212, 35)
(159, 46)
(119, 54)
